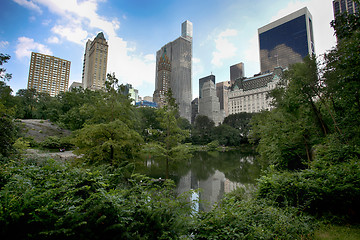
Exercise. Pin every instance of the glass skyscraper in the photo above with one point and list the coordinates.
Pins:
(286, 41)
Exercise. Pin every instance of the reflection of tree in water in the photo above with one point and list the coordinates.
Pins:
(236, 165)
(247, 172)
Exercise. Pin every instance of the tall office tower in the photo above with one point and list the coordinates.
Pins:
(236, 71)
(286, 41)
(48, 74)
(222, 90)
(95, 63)
(341, 6)
(173, 70)
(194, 109)
(209, 104)
(203, 80)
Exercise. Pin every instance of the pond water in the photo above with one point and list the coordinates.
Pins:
(214, 173)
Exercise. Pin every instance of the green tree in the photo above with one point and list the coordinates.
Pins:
(167, 143)
(202, 130)
(112, 142)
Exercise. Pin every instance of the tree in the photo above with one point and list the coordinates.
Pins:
(202, 131)
(4, 58)
(288, 133)
(240, 121)
(112, 142)
(168, 138)
(341, 76)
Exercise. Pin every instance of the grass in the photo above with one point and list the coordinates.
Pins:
(335, 232)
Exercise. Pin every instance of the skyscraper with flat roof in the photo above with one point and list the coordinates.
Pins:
(95, 63)
(48, 74)
(341, 6)
(173, 70)
(236, 71)
(286, 41)
(203, 80)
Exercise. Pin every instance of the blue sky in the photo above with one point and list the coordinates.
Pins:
(225, 33)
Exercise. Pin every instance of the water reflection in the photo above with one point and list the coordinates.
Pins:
(215, 173)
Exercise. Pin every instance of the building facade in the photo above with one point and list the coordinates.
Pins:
(203, 80)
(250, 94)
(95, 63)
(341, 6)
(236, 71)
(222, 90)
(75, 85)
(48, 74)
(209, 104)
(286, 41)
(194, 109)
(174, 70)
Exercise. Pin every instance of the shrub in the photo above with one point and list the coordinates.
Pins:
(331, 191)
(51, 200)
(234, 219)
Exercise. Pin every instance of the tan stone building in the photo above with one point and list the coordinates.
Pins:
(48, 74)
(95, 63)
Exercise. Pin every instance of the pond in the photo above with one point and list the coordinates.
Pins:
(214, 173)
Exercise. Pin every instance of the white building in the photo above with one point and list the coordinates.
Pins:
(250, 94)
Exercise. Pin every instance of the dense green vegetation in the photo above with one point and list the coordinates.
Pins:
(310, 141)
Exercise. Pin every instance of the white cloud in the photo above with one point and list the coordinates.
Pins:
(71, 33)
(53, 39)
(224, 48)
(252, 51)
(133, 68)
(79, 21)
(4, 44)
(26, 45)
(29, 4)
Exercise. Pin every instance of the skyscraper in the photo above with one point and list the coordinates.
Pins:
(173, 70)
(222, 90)
(341, 6)
(95, 63)
(203, 80)
(236, 71)
(48, 74)
(286, 41)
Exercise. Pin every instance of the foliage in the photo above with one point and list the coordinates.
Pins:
(240, 219)
(212, 146)
(227, 136)
(4, 58)
(168, 138)
(241, 122)
(8, 135)
(51, 200)
(54, 142)
(112, 142)
(202, 130)
(316, 190)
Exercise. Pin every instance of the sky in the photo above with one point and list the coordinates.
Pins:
(224, 34)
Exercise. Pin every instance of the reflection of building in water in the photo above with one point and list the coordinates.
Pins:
(286, 41)
(212, 189)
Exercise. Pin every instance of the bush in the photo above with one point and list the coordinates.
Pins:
(331, 191)
(51, 200)
(54, 142)
(234, 219)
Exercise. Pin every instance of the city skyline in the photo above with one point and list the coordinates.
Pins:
(135, 34)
